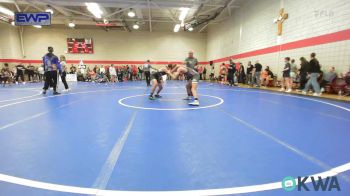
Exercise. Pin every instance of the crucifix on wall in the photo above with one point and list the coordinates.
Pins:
(281, 18)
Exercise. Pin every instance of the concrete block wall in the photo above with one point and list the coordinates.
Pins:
(251, 28)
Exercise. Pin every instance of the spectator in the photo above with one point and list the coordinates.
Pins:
(231, 73)
(241, 74)
(211, 71)
(313, 72)
(200, 71)
(328, 78)
(293, 72)
(73, 69)
(304, 67)
(95, 69)
(134, 72)
(204, 73)
(223, 73)
(113, 73)
(250, 68)
(286, 79)
(257, 71)
(102, 70)
(266, 76)
(107, 74)
(20, 69)
(140, 72)
(30, 71)
(6, 75)
(120, 74)
(41, 73)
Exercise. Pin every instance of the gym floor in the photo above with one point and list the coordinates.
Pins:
(109, 139)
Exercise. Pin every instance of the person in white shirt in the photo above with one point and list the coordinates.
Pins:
(63, 73)
(102, 69)
(147, 70)
(112, 73)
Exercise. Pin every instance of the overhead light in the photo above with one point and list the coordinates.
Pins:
(131, 13)
(6, 11)
(136, 26)
(95, 9)
(190, 29)
(37, 26)
(49, 10)
(177, 28)
(71, 24)
(184, 12)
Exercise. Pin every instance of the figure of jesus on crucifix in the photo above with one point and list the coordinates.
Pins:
(281, 18)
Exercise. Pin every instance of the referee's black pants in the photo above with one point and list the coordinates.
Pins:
(50, 80)
(148, 77)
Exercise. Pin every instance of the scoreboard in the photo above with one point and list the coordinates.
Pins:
(80, 45)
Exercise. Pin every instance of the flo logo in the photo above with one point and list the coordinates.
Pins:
(318, 184)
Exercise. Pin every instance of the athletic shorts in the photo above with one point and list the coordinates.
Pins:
(194, 78)
(157, 76)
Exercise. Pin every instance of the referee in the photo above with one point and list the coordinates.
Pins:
(51, 64)
(147, 70)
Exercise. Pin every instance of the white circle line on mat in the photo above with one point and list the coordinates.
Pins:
(120, 101)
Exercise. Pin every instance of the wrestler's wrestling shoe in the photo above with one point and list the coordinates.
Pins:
(194, 103)
(151, 97)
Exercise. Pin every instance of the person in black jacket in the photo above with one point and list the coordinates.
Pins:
(250, 73)
(241, 74)
(304, 67)
(257, 73)
(231, 73)
(313, 72)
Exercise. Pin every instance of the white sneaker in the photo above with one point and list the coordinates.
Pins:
(316, 94)
(289, 90)
(304, 92)
(322, 90)
(194, 103)
(281, 89)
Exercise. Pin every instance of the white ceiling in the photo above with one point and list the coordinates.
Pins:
(152, 15)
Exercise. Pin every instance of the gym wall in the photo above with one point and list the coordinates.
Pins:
(9, 42)
(251, 28)
(108, 46)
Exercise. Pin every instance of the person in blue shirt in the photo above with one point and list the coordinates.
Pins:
(51, 65)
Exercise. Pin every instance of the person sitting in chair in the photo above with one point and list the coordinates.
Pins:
(328, 78)
(6, 74)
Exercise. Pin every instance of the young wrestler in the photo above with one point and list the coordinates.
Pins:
(157, 81)
(193, 78)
